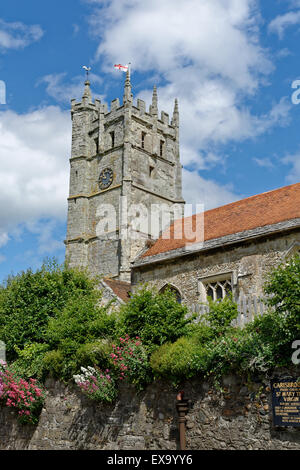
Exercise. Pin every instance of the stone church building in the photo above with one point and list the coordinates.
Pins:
(124, 166)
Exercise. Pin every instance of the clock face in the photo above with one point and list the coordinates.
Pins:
(106, 178)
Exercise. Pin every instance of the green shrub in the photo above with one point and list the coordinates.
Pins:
(76, 332)
(217, 348)
(30, 361)
(94, 353)
(173, 361)
(236, 350)
(52, 322)
(155, 317)
(29, 299)
(283, 287)
(81, 320)
(54, 363)
(220, 314)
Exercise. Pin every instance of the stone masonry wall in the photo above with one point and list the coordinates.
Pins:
(250, 261)
(236, 418)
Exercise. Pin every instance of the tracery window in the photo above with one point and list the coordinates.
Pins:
(218, 290)
(216, 287)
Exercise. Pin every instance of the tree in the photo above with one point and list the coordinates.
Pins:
(29, 299)
(154, 317)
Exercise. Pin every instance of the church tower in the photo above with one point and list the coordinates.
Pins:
(123, 161)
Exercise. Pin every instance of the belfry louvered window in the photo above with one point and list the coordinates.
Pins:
(143, 139)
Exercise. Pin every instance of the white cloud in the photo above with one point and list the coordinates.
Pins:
(44, 231)
(293, 161)
(34, 151)
(76, 29)
(4, 238)
(197, 190)
(283, 53)
(63, 91)
(207, 54)
(207, 36)
(282, 22)
(18, 35)
(264, 162)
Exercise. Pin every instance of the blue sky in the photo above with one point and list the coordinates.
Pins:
(230, 63)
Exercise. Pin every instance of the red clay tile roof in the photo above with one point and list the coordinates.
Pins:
(256, 211)
(120, 288)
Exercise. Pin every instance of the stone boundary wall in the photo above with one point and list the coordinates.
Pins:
(236, 418)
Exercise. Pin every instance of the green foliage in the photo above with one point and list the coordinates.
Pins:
(81, 320)
(54, 362)
(283, 286)
(221, 313)
(94, 353)
(216, 348)
(237, 350)
(30, 361)
(76, 334)
(281, 326)
(155, 317)
(30, 299)
(173, 360)
(52, 322)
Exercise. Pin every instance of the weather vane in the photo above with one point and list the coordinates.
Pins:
(87, 69)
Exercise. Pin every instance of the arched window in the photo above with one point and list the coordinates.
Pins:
(173, 289)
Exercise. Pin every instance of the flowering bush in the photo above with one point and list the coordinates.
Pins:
(96, 384)
(2, 366)
(26, 397)
(131, 361)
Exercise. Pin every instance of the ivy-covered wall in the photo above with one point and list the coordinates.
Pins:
(238, 416)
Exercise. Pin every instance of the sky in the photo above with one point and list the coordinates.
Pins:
(232, 64)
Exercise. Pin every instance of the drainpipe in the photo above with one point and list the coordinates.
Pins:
(182, 409)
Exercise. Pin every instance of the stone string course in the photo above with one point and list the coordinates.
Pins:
(236, 418)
